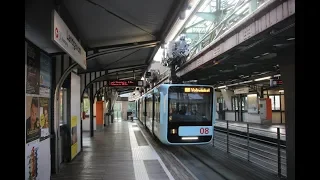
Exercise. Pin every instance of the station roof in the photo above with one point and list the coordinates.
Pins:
(118, 35)
(256, 58)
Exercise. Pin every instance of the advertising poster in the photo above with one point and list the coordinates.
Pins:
(44, 117)
(32, 159)
(45, 72)
(33, 70)
(74, 138)
(33, 131)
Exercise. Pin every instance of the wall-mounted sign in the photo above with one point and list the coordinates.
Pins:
(244, 90)
(64, 38)
(125, 83)
(196, 90)
(275, 82)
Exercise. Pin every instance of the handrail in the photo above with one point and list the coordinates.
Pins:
(272, 154)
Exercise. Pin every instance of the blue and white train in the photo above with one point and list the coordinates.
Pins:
(178, 114)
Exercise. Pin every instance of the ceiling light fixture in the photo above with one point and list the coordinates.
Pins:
(264, 78)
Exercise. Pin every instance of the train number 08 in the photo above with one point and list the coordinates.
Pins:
(204, 130)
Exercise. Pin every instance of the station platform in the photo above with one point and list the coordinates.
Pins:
(268, 132)
(118, 152)
(126, 151)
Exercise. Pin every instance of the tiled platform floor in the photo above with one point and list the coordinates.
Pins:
(115, 154)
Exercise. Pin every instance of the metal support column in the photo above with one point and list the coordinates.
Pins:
(287, 69)
(91, 110)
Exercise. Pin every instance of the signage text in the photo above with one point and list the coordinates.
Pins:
(124, 83)
(196, 90)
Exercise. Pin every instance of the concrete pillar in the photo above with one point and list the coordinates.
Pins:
(287, 69)
(124, 109)
(227, 95)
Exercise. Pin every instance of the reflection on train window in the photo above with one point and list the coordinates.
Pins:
(190, 106)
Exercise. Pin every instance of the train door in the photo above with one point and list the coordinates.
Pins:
(144, 106)
(153, 114)
(140, 110)
(137, 109)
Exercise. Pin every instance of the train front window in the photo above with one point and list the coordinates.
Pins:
(190, 105)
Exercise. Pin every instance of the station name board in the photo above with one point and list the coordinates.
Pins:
(63, 37)
(196, 90)
(125, 83)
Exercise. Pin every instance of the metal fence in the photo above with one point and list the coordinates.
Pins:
(264, 148)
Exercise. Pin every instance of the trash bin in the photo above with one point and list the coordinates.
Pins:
(129, 116)
(108, 118)
(65, 138)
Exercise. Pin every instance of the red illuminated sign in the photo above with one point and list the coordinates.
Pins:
(279, 82)
(275, 82)
(125, 83)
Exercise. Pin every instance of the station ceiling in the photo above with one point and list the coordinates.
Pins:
(117, 34)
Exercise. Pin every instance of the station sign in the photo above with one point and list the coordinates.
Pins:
(244, 90)
(196, 90)
(121, 83)
(275, 82)
(63, 37)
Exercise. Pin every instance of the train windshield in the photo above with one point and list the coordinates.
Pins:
(190, 104)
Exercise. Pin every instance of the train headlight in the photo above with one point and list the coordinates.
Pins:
(173, 131)
(189, 138)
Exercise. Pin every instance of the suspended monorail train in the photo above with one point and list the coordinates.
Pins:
(178, 114)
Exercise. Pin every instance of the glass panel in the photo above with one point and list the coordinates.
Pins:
(149, 104)
(276, 102)
(132, 107)
(235, 103)
(117, 110)
(272, 102)
(189, 107)
(157, 107)
(282, 103)
(244, 103)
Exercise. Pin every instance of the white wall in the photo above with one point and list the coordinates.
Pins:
(86, 124)
(157, 65)
(44, 171)
(229, 116)
(251, 118)
(76, 104)
(227, 94)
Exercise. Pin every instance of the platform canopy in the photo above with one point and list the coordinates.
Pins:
(116, 35)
